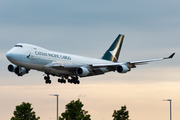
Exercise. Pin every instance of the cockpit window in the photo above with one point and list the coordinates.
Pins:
(18, 46)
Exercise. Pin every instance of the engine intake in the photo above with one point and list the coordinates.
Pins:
(20, 71)
(122, 69)
(82, 71)
(12, 67)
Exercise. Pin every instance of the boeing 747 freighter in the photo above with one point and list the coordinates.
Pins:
(68, 67)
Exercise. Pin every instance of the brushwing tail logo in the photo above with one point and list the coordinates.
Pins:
(112, 54)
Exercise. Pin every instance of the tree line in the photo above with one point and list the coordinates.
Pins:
(73, 111)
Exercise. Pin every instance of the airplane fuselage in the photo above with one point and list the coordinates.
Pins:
(38, 58)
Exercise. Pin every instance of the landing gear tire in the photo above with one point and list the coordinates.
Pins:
(64, 81)
(46, 77)
(78, 82)
(61, 80)
(48, 81)
(74, 80)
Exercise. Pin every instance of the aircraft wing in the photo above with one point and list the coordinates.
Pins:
(95, 69)
(114, 64)
(132, 64)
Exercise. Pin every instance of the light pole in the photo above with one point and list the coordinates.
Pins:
(57, 102)
(170, 107)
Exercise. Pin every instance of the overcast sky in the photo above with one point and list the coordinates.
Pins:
(88, 28)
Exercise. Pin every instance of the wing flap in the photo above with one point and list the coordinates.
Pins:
(62, 66)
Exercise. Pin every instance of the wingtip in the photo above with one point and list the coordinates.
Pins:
(172, 55)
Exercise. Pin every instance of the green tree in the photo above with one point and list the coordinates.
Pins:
(121, 114)
(74, 112)
(24, 112)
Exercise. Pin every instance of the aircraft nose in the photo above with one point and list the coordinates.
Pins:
(9, 55)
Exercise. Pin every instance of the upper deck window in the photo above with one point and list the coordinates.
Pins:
(18, 46)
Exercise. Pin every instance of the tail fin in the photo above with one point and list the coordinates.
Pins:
(112, 54)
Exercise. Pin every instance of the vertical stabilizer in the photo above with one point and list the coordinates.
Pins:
(112, 54)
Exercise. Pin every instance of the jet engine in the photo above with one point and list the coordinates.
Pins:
(82, 71)
(122, 69)
(20, 71)
(12, 67)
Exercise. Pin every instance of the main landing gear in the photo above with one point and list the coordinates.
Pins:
(47, 79)
(62, 80)
(74, 79)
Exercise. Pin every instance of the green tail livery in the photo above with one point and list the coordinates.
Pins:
(112, 54)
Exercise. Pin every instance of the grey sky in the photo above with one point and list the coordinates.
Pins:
(88, 28)
(89, 21)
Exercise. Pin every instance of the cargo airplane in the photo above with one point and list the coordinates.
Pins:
(68, 67)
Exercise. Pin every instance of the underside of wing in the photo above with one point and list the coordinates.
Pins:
(126, 66)
(142, 62)
(85, 70)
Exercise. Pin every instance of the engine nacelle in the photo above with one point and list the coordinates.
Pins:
(12, 67)
(122, 69)
(21, 71)
(82, 71)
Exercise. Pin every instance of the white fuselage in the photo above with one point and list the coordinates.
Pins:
(37, 58)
